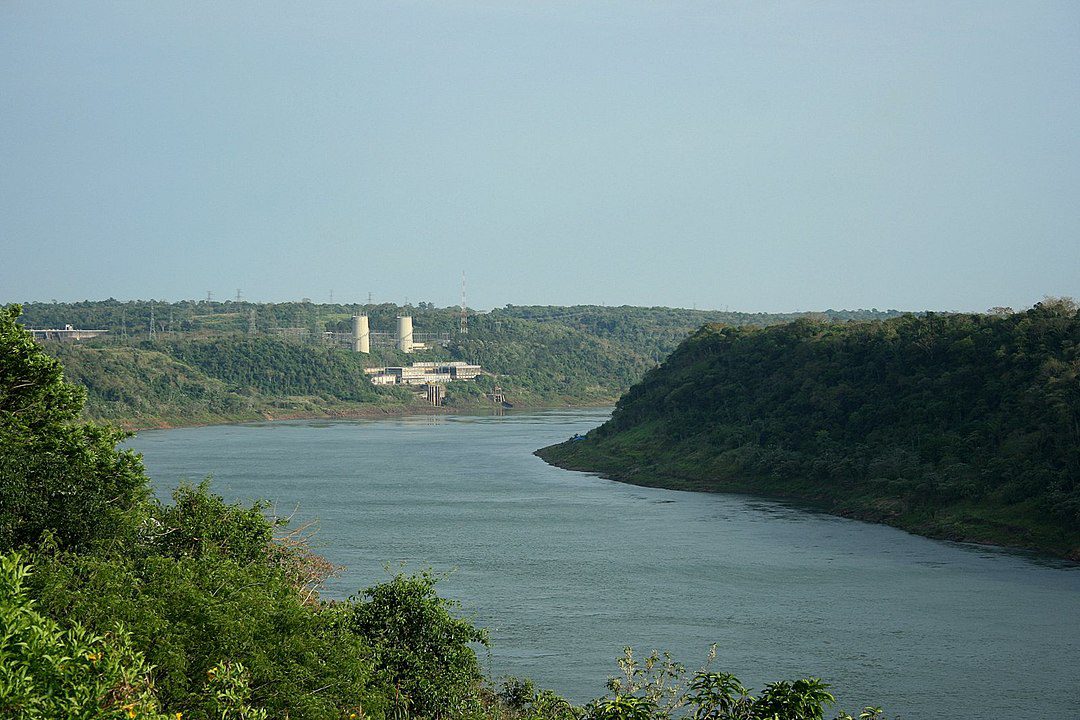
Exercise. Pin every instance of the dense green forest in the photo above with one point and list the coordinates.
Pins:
(115, 605)
(956, 426)
(228, 361)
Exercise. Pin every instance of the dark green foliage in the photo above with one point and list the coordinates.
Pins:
(653, 332)
(658, 688)
(621, 707)
(964, 426)
(273, 367)
(205, 585)
(804, 699)
(57, 476)
(421, 648)
(48, 671)
(199, 524)
(539, 363)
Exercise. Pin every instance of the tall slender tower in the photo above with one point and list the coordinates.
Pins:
(464, 328)
(361, 335)
(405, 333)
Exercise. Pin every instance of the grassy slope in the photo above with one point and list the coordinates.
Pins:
(144, 388)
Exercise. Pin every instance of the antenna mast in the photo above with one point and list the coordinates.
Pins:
(464, 328)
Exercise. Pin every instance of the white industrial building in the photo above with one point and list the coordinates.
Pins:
(424, 373)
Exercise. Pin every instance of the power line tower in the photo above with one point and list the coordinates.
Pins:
(237, 294)
(151, 322)
(464, 328)
(251, 323)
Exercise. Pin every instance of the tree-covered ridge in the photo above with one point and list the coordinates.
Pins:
(132, 317)
(656, 331)
(116, 606)
(273, 367)
(958, 426)
(550, 362)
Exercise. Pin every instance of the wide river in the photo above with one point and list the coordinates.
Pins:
(566, 568)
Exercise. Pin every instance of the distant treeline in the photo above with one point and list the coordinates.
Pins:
(957, 426)
(225, 361)
(648, 328)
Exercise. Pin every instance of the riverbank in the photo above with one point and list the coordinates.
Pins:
(331, 412)
(1018, 527)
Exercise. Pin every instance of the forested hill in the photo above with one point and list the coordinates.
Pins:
(656, 331)
(956, 426)
(230, 361)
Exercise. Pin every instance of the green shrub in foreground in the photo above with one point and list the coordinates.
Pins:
(206, 584)
(49, 672)
(421, 649)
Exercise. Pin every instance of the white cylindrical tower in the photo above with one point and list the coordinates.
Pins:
(404, 333)
(361, 334)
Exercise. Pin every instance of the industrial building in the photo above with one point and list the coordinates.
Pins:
(424, 373)
(67, 333)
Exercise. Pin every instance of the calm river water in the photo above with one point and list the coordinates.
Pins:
(566, 568)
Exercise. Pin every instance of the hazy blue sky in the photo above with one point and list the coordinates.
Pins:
(756, 156)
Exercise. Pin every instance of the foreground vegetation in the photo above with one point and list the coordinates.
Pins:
(962, 426)
(115, 605)
(224, 361)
